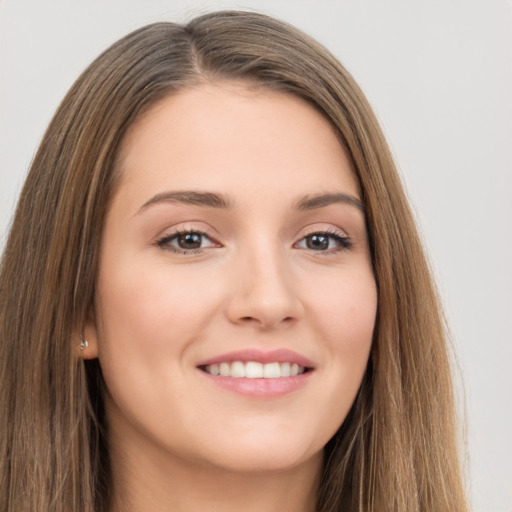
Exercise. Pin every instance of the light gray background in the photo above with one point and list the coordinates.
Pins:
(438, 74)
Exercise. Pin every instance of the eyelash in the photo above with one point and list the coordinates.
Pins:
(343, 242)
(164, 242)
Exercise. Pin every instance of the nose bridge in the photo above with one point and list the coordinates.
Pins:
(264, 290)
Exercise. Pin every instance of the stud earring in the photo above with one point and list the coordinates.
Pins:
(83, 344)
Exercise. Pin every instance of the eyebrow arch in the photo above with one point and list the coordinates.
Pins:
(206, 199)
(214, 200)
(311, 202)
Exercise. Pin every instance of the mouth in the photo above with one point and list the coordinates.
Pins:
(255, 369)
(259, 374)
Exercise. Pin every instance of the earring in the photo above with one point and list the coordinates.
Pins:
(83, 344)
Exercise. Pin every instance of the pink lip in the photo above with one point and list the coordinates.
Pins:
(260, 388)
(273, 356)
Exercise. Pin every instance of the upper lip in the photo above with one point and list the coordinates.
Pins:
(281, 355)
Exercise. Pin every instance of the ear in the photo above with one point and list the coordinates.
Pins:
(89, 334)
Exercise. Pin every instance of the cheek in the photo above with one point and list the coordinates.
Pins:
(342, 308)
(345, 308)
(147, 318)
(149, 307)
(345, 315)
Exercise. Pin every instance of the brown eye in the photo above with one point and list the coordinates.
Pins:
(186, 242)
(189, 240)
(317, 242)
(325, 242)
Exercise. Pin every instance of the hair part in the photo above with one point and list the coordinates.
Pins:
(396, 450)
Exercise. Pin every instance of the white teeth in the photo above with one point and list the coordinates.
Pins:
(225, 370)
(285, 369)
(237, 369)
(271, 371)
(214, 369)
(255, 370)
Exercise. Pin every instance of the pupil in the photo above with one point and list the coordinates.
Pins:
(317, 242)
(189, 241)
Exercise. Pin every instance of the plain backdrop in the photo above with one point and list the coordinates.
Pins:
(439, 76)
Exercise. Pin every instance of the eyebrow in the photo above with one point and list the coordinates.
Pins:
(214, 200)
(312, 202)
(206, 199)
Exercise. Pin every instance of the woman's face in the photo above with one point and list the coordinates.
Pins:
(234, 244)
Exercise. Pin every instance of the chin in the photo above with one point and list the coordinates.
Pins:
(260, 454)
(266, 463)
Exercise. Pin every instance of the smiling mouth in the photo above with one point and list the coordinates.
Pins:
(255, 370)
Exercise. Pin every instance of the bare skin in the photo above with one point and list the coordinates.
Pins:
(236, 237)
(139, 487)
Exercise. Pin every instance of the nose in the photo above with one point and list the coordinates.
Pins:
(264, 292)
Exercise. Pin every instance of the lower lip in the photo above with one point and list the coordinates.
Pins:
(260, 388)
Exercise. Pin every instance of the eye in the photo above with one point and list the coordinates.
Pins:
(185, 242)
(325, 242)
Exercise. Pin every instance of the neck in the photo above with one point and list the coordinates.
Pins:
(143, 484)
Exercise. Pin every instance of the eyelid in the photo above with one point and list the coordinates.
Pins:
(188, 226)
(330, 230)
(344, 241)
(176, 231)
(319, 228)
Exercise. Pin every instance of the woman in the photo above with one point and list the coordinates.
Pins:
(213, 295)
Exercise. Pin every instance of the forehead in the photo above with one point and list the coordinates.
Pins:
(230, 135)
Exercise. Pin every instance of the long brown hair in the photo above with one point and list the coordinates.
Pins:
(396, 451)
